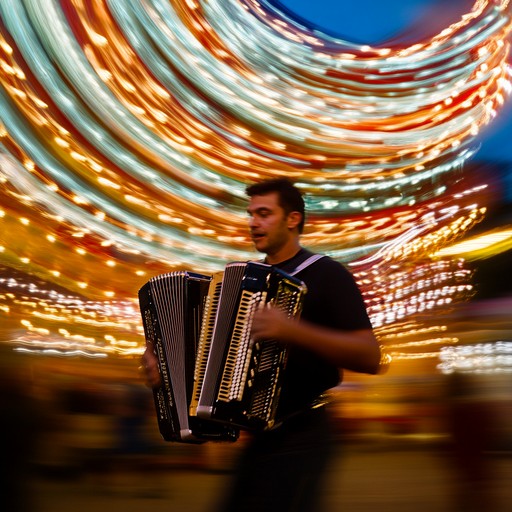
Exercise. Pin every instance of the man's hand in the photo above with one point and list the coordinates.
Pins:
(149, 368)
(271, 323)
(357, 350)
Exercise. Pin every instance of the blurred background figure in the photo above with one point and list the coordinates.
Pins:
(470, 422)
(20, 424)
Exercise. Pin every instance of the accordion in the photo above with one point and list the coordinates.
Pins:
(215, 380)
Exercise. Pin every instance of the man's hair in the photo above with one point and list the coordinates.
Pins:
(289, 196)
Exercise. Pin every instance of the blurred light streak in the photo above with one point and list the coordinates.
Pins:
(480, 358)
(57, 353)
(481, 246)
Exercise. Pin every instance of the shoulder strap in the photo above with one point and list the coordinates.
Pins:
(306, 263)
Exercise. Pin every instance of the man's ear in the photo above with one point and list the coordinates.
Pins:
(294, 219)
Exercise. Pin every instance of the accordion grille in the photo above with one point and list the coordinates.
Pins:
(270, 357)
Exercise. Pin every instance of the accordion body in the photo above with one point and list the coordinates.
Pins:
(205, 323)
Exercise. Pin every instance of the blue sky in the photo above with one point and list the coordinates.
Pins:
(374, 21)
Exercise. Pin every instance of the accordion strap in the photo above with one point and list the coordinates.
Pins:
(306, 263)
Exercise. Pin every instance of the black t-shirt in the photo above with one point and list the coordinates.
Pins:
(333, 300)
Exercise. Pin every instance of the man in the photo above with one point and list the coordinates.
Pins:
(282, 469)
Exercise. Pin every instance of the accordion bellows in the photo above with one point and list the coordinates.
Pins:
(214, 379)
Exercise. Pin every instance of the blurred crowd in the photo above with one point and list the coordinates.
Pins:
(62, 419)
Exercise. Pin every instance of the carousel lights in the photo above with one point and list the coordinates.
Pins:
(481, 358)
(484, 245)
(130, 129)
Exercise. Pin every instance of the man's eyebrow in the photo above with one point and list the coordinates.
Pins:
(259, 209)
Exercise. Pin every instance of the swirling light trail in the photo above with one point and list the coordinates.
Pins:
(129, 129)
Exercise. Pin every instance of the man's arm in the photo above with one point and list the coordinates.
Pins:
(357, 350)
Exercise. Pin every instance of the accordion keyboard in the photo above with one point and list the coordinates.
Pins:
(238, 358)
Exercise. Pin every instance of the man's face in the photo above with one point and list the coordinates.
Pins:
(269, 225)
